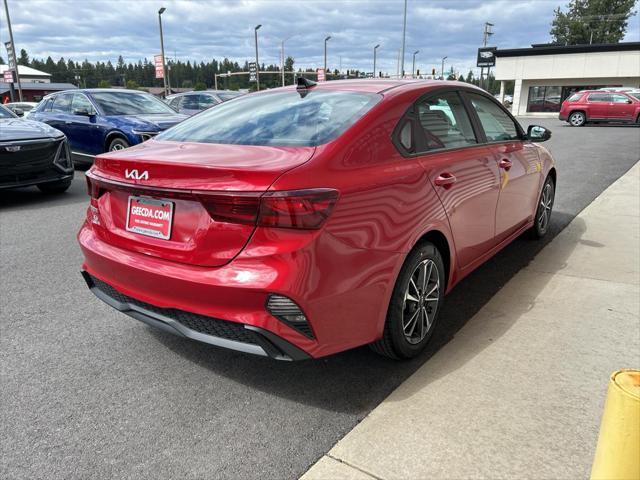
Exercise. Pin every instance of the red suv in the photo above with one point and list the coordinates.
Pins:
(600, 106)
(303, 221)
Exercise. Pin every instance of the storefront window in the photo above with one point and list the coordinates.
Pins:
(544, 99)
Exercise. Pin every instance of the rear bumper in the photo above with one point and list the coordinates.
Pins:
(562, 116)
(34, 178)
(220, 333)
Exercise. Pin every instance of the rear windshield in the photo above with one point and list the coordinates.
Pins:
(575, 97)
(276, 119)
(129, 103)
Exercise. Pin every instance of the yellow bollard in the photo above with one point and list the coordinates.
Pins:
(618, 451)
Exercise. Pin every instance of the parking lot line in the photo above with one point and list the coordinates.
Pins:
(529, 404)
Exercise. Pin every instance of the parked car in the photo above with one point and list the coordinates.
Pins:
(32, 153)
(299, 222)
(20, 108)
(191, 103)
(597, 105)
(104, 120)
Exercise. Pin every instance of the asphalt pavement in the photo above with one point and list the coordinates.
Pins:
(87, 392)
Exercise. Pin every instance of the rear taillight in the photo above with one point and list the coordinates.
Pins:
(93, 187)
(306, 209)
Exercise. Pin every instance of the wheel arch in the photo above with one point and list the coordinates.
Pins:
(441, 242)
(581, 110)
(114, 134)
(552, 173)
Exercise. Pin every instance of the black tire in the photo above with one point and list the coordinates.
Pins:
(55, 187)
(577, 119)
(395, 343)
(118, 143)
(542, 219)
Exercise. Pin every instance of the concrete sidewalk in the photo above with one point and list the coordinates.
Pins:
(518, 393)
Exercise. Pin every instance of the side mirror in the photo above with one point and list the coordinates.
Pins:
(629, 101)
(537, 133)
(84, 112)
(19, 112)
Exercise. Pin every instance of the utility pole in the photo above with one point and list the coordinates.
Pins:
(413, 65)
(255, 31)
(442, 68)
(164, 64)
(13, 48)
(374, 60)
(404, 35)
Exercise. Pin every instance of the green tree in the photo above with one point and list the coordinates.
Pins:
(200, 86)
(187, 84)
(23, 59)
(461, 78)
(132, 85)
(104, 84)
(470, 78)
(591, 21)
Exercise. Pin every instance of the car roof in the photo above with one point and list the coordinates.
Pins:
(181, 94)
(384, 85)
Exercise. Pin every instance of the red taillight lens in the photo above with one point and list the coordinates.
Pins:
(306, 209)
(93, 188)
(232, 207)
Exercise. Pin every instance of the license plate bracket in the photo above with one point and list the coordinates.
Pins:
(150, 217)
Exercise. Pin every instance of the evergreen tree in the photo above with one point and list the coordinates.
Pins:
(591, 21)
(23, 59)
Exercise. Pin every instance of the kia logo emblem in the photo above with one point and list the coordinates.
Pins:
(136, 175)
(13, 148)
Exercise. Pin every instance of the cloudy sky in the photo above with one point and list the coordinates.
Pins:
(205, 29)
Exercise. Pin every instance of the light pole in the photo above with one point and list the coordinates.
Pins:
(325, 54)
(13, 48)
(255, 32)
(282, 57)
(374, 60)
(413, 65)
(442, 69)
(164, 65)
(404, 35)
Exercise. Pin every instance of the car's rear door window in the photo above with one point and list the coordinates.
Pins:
(575, 97)
(62, 103)
(498, 126)
(599, 97)
(443, 122)
(206, 101)
(617, 98)
(190, 102)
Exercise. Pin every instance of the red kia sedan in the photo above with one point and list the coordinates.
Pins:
(600, 106)
(303, 221)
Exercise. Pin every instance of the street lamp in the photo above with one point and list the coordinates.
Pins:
(404, 35)
(413, 65)
(164, 66)
(255, 31)
(325, 53)
(374, 60)
(442, 69)
(282, 57)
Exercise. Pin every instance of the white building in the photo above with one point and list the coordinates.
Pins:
(28, 74)
(545, 75)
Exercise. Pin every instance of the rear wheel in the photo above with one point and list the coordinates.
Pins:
(55, 187)
(415, 304)
(118, 143)
(543, 212)
(577, 119)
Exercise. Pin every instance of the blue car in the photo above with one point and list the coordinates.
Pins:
(100, 120)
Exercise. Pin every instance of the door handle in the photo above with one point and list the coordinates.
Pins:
(506, 164)
(445, 180)
(67, 122)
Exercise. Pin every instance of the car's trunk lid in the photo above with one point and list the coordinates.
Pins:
(190, 180)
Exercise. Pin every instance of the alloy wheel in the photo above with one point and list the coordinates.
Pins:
(117, 146)
(544, 210)
(421, 301)
(577, 119)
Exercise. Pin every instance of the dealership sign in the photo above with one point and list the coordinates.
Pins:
(9, 76)
(252, 72)
(11, 54)
(486, 57)
(157, 61)
(321, 75)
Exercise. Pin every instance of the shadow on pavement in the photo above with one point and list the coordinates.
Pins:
(356, 381)
(29, 197)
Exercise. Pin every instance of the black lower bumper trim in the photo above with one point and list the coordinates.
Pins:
(249, 339)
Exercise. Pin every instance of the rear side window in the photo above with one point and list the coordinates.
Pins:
(599, 97)
(190, 102)
(497, 125)
(206, 101)
(174, 102)
(575, 97)
(62, 103)
(291, 118)
(444, 122)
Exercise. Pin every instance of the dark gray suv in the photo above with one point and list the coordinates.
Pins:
(191, 103)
